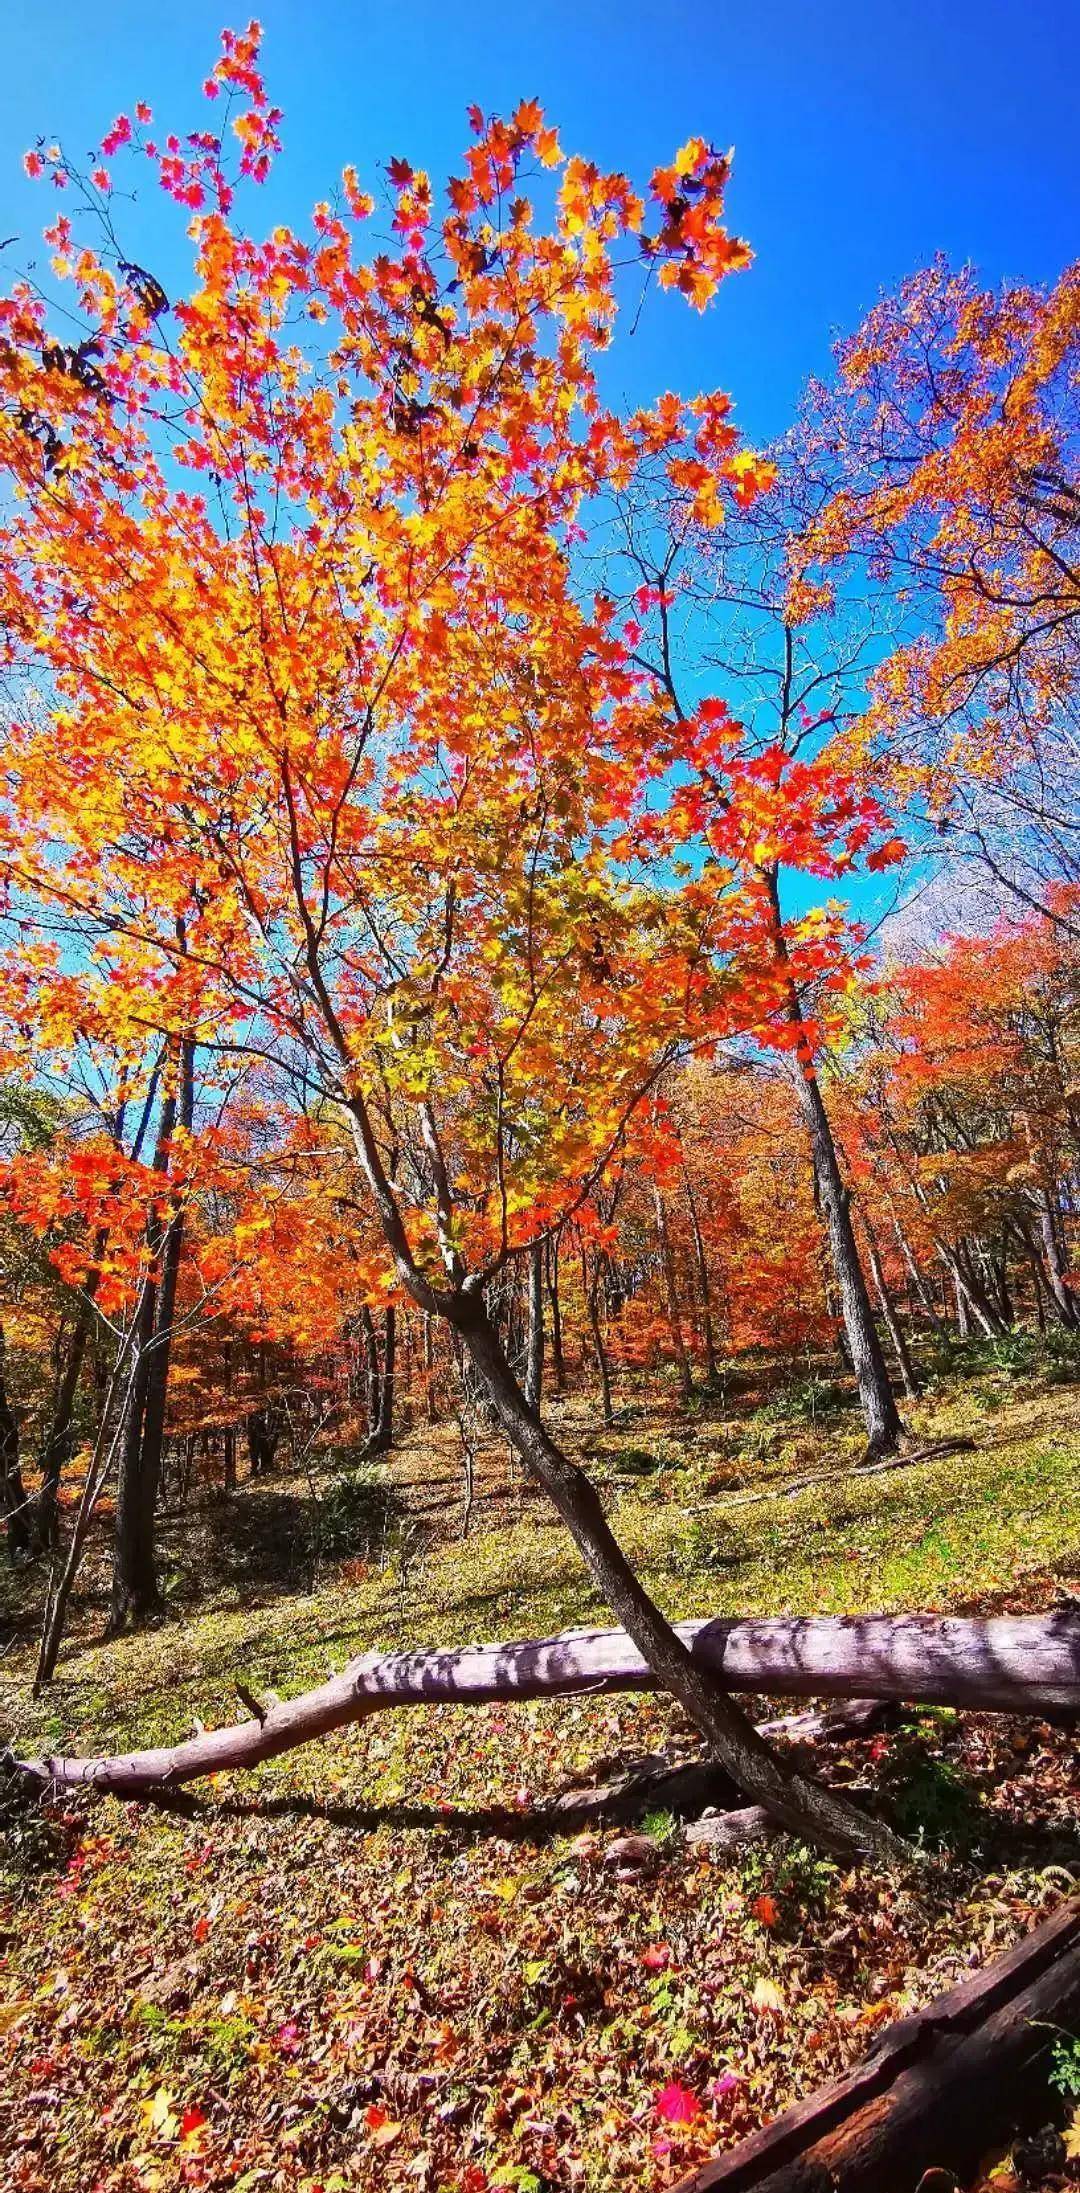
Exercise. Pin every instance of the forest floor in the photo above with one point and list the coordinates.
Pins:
(377, 1961)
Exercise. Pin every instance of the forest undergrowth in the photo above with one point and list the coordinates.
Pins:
(380, 1961)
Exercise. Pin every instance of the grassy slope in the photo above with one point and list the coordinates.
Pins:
(369, 1963)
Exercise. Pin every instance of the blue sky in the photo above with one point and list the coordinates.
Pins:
(866, 135)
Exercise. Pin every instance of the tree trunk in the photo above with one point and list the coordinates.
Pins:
(888, 1311)
(534, 1346)
(592, 1312)
(799, 1804)
(135, 1575)
(880, 1413)
(134, 1589)
(381, 1384)
(263, 1431)
(671, 1294)
(558, 1365)
(970, 1297)
(372, 1373)
(14, 1507)
(1061, 1291)
(1027, 1664)
(430, 1397)
(919, 1285)
(157, 1387)
(100, 1468)
(58, 1443)
(712, 1370)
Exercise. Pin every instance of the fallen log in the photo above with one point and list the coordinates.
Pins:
(1023, 1664)
(933, 2093)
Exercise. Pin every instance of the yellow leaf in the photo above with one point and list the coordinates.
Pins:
(159, 2116)
(766, 1996)
(10, 2014)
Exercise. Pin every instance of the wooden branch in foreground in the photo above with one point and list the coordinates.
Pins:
(1023, 1664)
(935, 2091)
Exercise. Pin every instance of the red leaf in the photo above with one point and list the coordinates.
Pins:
(676, 2104)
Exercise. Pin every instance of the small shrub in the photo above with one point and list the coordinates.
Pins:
(928, 1796)
(356, 1516)
(808, 1401)
(792, 1874)
(1064, 2071)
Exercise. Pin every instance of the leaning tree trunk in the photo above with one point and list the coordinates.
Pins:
(534, 1345)
(810, 1811)
(799, 1804)
(919, 1287)
(592, 1311)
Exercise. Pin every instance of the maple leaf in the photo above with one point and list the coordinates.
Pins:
(159, 2116)
(1072, 2136)
(677, 2104)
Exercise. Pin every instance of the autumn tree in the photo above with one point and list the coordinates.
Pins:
(721, 596)
(953, 436)
(294, 558)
